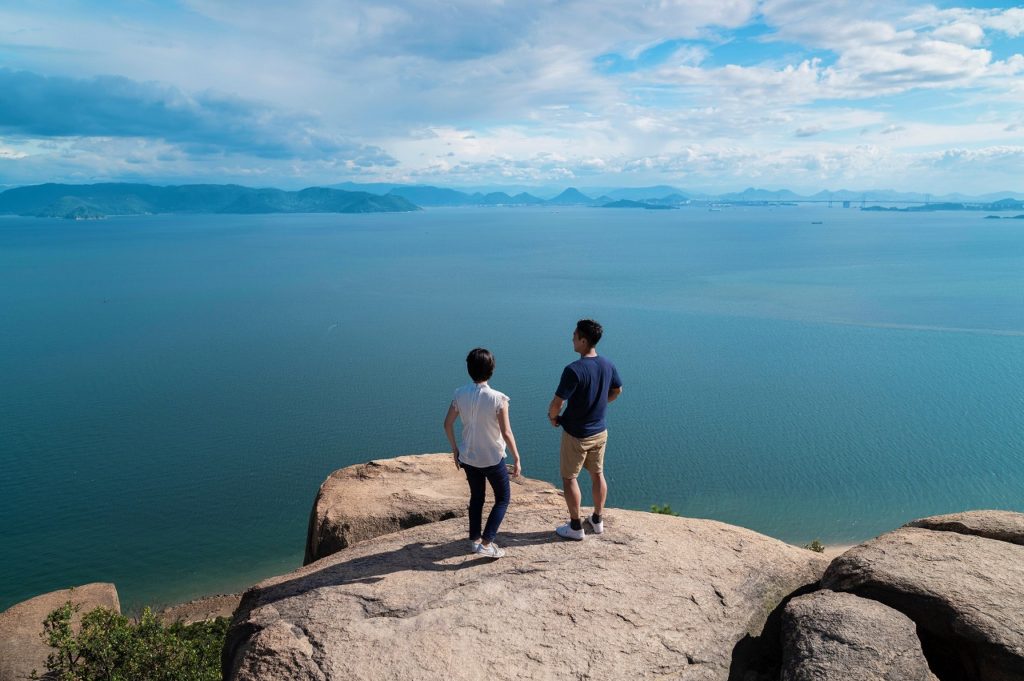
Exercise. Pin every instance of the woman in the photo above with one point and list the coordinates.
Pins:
(486, 431)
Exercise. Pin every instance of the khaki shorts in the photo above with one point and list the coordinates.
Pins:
(579, 453)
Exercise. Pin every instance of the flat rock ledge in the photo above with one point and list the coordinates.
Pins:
(387, 495)
(653, 597)
(829, 636)
(22, 649)
(964, 592)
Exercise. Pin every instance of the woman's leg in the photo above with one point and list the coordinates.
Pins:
(477, 487)
(497, 475)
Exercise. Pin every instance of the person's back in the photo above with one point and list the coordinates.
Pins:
(585, 386)
(486, 430)
(585, 389)
(479, 405)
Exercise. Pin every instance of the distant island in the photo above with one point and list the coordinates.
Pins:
(1002, 204)
(95, 201)
(626, 203)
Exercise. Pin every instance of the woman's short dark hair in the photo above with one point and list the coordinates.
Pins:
(590, 330)
(480, 364)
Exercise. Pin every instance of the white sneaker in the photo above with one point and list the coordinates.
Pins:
(567, 532)
(491, 551)
(598, 528)
(474, 546)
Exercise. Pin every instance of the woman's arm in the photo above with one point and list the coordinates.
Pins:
(449, 430)
(506, 432)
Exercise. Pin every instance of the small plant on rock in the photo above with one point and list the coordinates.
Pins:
(112, 647)
(663, 510)
(815, 546)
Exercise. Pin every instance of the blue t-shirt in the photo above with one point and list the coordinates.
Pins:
(585, 384)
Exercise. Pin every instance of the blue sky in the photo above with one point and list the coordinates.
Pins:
(711, 95)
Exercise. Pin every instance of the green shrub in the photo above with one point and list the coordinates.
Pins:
(112, 647)
(815, 546)
(664, 510)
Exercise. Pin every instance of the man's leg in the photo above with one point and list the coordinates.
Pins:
(573, 497)
(571, 458)
(600, 486)
(594, 464)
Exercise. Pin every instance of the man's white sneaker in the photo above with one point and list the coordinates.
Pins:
(490, 551)
(567, 532)
(598, 527)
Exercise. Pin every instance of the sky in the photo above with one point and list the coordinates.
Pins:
(709, 95)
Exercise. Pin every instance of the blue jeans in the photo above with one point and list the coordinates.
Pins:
(478, 478)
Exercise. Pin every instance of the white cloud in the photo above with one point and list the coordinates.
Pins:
(1009, 21)
(963, 32)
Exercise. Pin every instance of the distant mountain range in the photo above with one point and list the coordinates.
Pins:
(100, 200)
(92, 201)
(426, 195)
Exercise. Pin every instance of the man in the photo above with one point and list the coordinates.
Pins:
(588, 384)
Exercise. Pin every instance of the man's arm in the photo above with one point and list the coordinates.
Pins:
(553, 409)
(614, 393)
(449, 430)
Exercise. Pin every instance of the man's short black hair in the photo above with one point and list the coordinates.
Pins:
(590, 330)
(480, 364)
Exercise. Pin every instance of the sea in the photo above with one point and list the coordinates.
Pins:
(174, 388)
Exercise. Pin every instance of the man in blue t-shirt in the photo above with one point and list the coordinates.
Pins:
(588, 384)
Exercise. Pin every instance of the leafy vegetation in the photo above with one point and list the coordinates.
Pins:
(112, 647)
(815, 546)
(663, 510)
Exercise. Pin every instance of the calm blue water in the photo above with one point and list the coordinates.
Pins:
(174, 389)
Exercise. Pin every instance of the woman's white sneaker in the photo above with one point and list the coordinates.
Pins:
(490, 551)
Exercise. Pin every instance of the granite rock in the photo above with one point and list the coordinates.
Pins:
(829, 636)
(965, 593)
(387, 495)
(654, 596)
(1002, 525)
(22, 648)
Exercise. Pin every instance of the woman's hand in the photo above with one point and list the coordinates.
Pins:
(455, 455)
(517, 470)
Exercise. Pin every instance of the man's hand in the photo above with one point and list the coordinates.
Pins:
(553, 409)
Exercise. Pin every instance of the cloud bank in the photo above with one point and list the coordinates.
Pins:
(716, 95)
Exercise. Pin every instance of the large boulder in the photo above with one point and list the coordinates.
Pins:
(387, 495)
(1001, 525)
(829, 636)
(964, 592)
(653, 596)
(22, 648)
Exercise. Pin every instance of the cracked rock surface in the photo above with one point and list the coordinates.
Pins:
(387, 495)
(965, 593)
(653, 597)
(829, 636)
